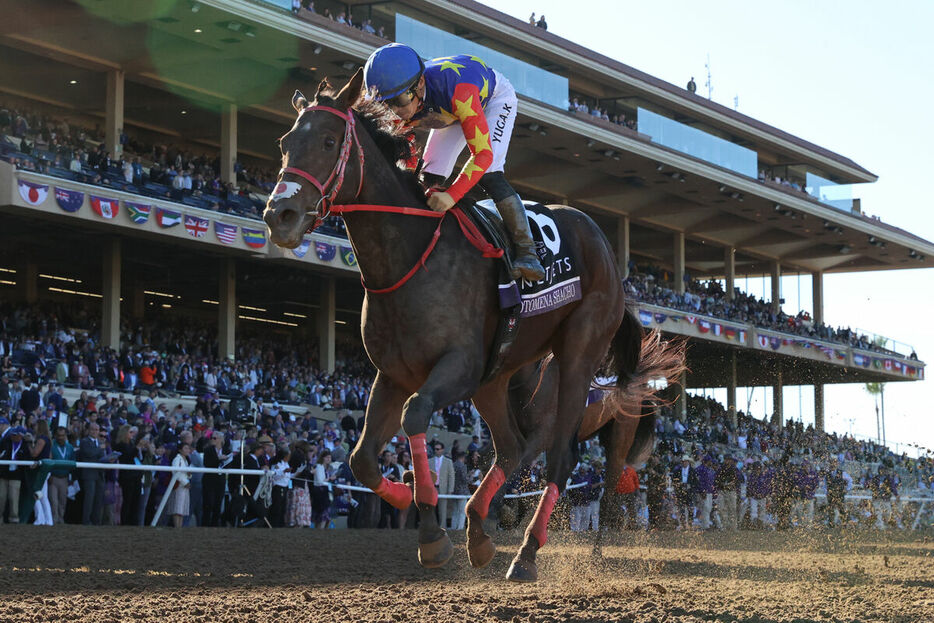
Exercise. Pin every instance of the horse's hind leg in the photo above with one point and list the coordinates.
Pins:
(578, 356)
(447, 383)
(383, 418)
(491, 403)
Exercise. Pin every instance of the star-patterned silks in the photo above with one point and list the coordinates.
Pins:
(455, 67)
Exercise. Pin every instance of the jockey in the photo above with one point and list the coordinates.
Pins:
(442, 94)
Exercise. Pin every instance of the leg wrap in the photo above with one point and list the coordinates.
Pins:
(396, 493)
(480, 501)
(539, 526)
(425, 492)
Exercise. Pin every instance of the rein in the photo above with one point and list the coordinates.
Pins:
(351, 140)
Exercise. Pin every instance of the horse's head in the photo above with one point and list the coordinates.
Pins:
(315, 153)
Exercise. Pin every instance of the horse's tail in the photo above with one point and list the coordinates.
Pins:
(640, 360)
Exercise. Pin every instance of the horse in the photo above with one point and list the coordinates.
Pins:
(429, 331)
(624, 427)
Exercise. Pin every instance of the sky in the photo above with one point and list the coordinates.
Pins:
(851, 76)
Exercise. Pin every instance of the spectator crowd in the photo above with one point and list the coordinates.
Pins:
(653, 285)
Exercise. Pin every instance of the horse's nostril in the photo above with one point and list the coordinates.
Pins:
(288, 217)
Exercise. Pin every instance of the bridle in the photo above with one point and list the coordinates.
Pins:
(336, 179)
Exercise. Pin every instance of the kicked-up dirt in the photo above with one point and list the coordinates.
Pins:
(75, 573)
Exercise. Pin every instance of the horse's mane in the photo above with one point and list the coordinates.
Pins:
(383, 127)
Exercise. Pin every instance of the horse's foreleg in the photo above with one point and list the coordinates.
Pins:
(446, 384)
(383, 416)
(491, 403)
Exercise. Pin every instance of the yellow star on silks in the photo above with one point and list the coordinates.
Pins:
(480, 141)
(447, 117)
(452, 65)
(485, 91)
(470, 168)
(477, 60)
(463, 109)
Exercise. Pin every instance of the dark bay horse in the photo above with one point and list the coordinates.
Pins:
(431, 310)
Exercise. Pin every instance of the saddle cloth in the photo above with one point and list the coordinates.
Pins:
(561, 284)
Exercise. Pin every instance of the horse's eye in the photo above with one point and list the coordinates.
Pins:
(329, 142)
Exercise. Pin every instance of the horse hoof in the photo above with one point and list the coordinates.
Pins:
(522, 571)
(480, 551)
(435, 554)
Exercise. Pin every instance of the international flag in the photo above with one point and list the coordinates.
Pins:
(877, 364)
(196, 227)
(138, 212)
(888, 365)
(729, 333)
(717, 329)
(763, 341)
(703, 326)
(227, 234)
(775, 342)
(254, 238)
(347, 256)
(742, 336)
(69, 200)
(33, 194)
(690, 319)
(302, 249)
(104, 207)
(645, 318)
(660, 318)
(827, 351)
(860, 360)
(325, 251)
(839, 354)
(168, 218)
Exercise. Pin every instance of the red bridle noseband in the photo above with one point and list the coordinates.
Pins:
(322, 207)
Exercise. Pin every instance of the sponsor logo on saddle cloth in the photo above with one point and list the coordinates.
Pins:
(561, 284)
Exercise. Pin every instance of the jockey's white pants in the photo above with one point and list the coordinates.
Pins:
(446, 144)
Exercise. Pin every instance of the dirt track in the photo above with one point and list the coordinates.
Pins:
(115, 574)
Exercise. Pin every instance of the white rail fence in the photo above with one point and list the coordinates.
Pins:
(264, 473)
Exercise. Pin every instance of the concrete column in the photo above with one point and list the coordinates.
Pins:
(778, 411)
(227, 309)
(819, 407)
(678, 262)
(110, 304)
(622, 245)
(731, 390)
(228, 142)
(326, 315)
(27, 281)
(114, 121)
(776, 269)
(729, 271)
(681, 402)
(817, 295)
(138, 303)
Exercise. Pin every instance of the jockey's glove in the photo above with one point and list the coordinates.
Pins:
(440, 201)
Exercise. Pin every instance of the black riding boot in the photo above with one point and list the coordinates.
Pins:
(526, 264)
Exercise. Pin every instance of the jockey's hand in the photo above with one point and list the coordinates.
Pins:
(441, 202)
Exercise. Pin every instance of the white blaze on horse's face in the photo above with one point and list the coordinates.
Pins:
(284, 190)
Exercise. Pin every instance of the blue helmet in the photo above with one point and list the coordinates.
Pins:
(391, 70)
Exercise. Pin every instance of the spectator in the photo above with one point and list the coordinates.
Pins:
(179, 504)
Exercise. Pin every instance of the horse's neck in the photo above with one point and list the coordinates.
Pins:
(386, 245)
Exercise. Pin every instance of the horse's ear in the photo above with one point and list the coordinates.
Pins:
(352, 91)
(299, 102)
(324, 85)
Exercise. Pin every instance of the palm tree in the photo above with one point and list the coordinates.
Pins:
(877, 391)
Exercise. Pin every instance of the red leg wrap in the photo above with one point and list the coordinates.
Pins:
(539, 526)
(480, 501)
(425, 492)
(396, 493)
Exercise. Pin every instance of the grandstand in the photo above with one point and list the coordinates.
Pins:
(687, 190)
